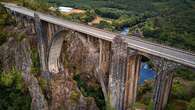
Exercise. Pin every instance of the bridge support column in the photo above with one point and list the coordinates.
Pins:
(104, 58)
(131, 79)
(163, 82)
(41, 43)
(32, 25)
(19, 21)
(49, 32)
(117, 73)
(124, 72)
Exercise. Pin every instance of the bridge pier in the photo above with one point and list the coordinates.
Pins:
(124, 74)
(117, 73)
(41, 43)
(163, 82)
(131, 79)
(49, 32)
(104, 58)
(18, 20)
(32, 25)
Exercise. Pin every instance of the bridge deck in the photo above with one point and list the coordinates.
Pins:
(169, 53)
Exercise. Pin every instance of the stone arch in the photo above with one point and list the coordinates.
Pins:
(61, 85)
(54, 64)
(80, 52)
(79, 49)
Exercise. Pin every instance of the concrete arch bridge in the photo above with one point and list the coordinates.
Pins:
(114, 58)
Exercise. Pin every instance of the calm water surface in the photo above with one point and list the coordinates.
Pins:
(146, 73)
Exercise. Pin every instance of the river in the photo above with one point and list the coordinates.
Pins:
(146, 73)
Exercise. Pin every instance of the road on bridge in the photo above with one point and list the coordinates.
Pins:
(166, 52)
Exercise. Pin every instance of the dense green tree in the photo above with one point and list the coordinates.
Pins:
(191, 105)
(89, 16)
(179, 91)
(105, 25)
(92, 90)
(13, 94)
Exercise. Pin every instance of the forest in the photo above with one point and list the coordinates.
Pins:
(170, 22)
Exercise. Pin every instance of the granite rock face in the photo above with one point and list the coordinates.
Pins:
(65, 94)
(75, 53)
(63, 90)
(17, 54)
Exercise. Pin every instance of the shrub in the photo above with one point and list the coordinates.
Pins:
(179, 91)
(35, 68)
(5, 18)
(186, 74)
(75, 96)
(42, 83)
(92, 91)
(13, 77)
(3, 37)
(170, 106)
(13, 96)
(89, 16)
(75, 17)
(191, 105)
(110, 12)
(125, 21)
(6, 79)
(14, 99)
(104, 25)
(150, 106)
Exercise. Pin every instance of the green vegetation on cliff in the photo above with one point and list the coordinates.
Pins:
(191, 105)
(182, 92)
(13, 94)
(90, 88)
(4, 21)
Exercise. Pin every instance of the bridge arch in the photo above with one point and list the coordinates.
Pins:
(55, 47)
(79, 51)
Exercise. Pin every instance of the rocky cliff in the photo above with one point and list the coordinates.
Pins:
(60, 91)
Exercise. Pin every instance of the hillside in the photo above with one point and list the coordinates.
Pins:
(170, 22)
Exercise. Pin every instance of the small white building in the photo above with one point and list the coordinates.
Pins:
(65, 9)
